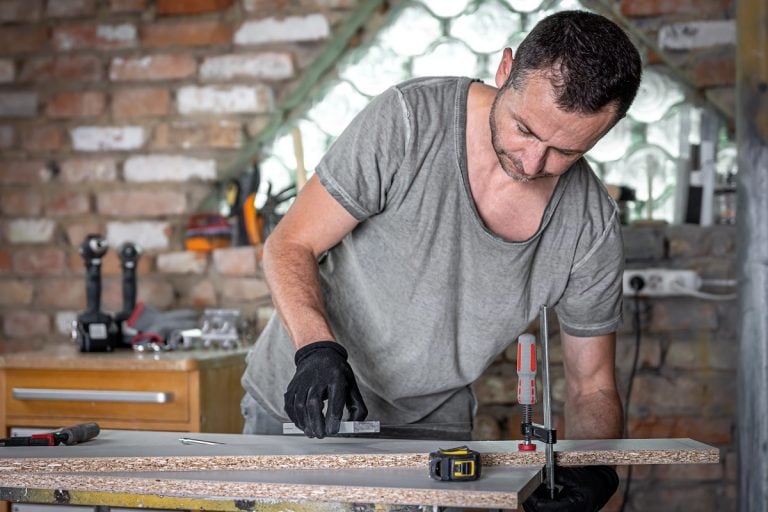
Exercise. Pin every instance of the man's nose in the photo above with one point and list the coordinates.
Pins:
(534, 158)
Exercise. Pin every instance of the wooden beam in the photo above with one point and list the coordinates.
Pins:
(752, 137)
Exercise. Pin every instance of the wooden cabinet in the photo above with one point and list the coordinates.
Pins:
(189, 391)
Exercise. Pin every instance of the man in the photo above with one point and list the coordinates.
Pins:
(433, 230)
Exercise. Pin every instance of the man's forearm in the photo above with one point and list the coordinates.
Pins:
(594, 416)
(292, 274)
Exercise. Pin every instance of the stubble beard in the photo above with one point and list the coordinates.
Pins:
(511, 165)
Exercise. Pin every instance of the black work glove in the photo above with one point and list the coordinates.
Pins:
(582, 489)
(322, 373)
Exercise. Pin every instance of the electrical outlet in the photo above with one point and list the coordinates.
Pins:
(661, 282)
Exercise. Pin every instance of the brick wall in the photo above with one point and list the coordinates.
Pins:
(117, 117)
(685, 385)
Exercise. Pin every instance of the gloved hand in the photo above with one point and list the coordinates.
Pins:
(584, 489)
(322, 373)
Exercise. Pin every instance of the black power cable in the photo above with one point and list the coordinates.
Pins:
(637, 284)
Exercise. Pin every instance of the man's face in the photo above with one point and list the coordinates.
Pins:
(533, 138)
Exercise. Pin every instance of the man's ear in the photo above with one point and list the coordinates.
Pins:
(505, 67)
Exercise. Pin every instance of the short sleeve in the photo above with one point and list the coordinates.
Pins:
(591, 304)
(359, 167)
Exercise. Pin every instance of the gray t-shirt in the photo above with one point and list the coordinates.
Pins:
(421, 294)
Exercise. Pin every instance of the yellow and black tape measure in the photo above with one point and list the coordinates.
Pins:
(458, 463)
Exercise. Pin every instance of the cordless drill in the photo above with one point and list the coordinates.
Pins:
(94, 330)
(129, 256)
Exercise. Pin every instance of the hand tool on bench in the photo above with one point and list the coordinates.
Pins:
(69, 436)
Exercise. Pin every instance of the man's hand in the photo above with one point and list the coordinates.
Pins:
(584, 489)
(322, 373)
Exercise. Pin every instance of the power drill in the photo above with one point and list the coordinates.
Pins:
(129, 256)
(94, 330)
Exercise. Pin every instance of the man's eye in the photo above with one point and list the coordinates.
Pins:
(523, 130)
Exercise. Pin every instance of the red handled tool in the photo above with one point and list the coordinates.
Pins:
(70, 435)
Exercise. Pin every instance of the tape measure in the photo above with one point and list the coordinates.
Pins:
(458, 463)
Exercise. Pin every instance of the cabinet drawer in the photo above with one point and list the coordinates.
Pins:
(134, 395)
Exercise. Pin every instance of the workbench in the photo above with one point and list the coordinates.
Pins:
(194, 391)
(243, 472)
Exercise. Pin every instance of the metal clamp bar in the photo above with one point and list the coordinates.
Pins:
(92, 395)
(546, 397)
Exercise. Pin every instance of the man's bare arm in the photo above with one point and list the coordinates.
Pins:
(314, 223)
(593, 407)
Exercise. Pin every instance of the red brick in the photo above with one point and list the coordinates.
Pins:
(15, 293)
(61, 293)
(79, 170)
(6, 263)
(182, 262)
(713, 71)
(16, 40)
(25, 324)
(42, 138)
(67, 203)
(71, 8)
(75, 68)
(660, 7)
(700, 472)
(20, 11)
(140, 102)
(127, 5)
(706, 430)
(201, 295)
(236, 261)
(94, 36)
(190, 33)
(7, 136)
(156, 67)
(23, 172)
(191, 134)
(141, 203)
(39, 262)
(76, 233)
(76, 104)
(173, 7)
(20, 203)
(243, 289)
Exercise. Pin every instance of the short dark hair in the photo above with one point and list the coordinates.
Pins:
(591, 61)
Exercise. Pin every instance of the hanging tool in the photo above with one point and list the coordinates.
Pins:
(241, 199)
(298, 151)
(454, 464)
(526, 384)
(206, 232)
(69, 436)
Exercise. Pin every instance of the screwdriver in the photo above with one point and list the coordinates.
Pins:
(526, 382)
(69, 436)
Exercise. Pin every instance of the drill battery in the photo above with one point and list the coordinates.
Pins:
(458, 463)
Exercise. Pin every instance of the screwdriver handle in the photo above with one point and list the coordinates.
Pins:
(526, 369)
(79, 433)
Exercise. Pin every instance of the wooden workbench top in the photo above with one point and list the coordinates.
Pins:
(68, 357)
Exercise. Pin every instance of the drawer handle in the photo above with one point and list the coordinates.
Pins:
(89, 395)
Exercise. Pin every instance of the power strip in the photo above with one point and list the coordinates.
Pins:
(660, 282)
